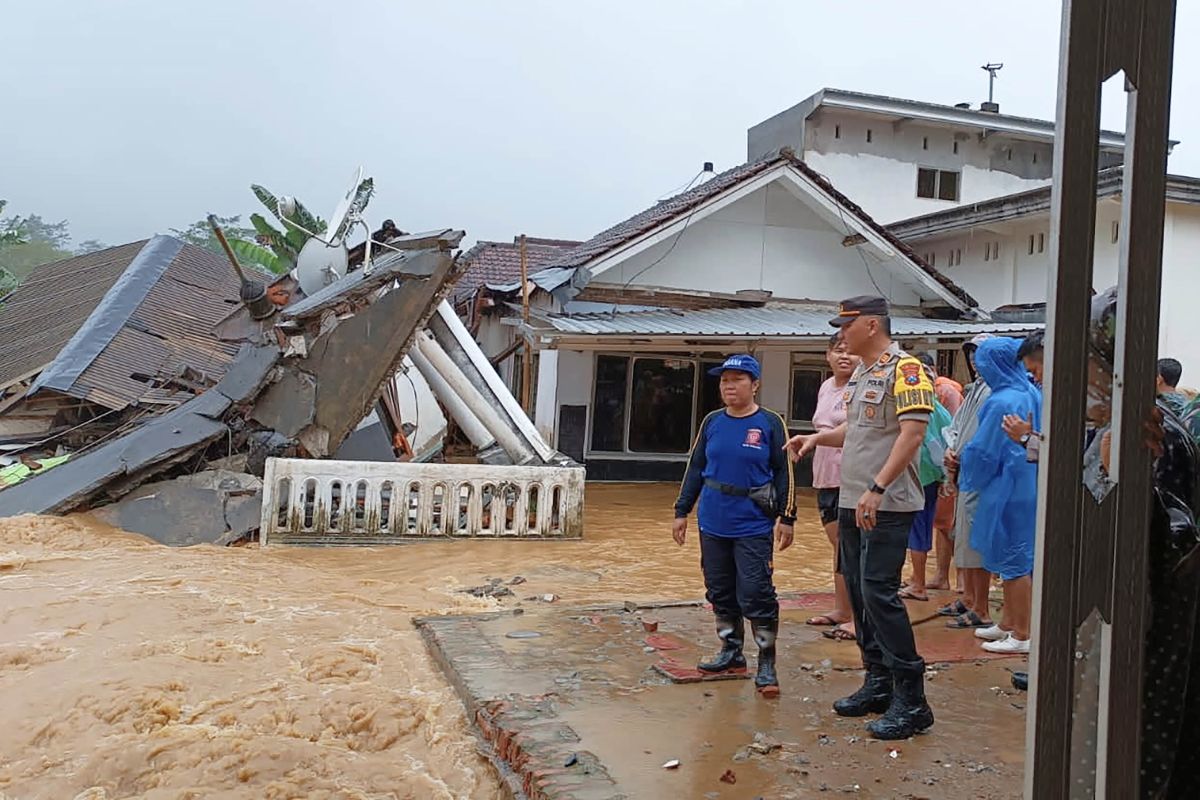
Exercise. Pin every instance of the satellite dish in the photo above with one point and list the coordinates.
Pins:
(319, 265)
(334, 231)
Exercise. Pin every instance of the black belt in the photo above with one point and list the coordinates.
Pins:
(727, 488)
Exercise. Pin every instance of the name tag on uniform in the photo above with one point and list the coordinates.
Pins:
(874, 391)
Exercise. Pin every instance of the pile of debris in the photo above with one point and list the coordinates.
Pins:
(152, 362)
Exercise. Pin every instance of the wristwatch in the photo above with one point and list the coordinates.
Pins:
(876, 488)
(1025, 438)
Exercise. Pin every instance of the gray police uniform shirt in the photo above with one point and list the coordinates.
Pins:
(878, 396)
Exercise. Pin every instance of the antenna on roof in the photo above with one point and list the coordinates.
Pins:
(991, 104)
(253, 293)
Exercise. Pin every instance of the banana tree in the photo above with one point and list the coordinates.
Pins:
(276, 249)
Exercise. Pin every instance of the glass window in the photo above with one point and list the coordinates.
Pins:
(926, 182)
(806, 382)
(660, 418)
(608, 406)
(709, 398)
(948, 185)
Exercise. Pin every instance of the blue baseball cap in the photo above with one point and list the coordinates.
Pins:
(742, 363)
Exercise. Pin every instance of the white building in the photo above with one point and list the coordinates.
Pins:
(754, 260)
(903, 158)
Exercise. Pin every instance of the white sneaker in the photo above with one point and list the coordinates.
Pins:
(1009, 644)
(992, 634)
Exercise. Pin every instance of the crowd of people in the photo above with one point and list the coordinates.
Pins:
(907, 461)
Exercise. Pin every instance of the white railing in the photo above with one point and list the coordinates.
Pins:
(320, 502)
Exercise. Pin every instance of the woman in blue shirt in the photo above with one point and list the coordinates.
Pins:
(743, 479)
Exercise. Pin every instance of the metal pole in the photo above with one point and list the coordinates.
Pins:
(527, 361)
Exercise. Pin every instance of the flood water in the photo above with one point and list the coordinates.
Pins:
(132, 669)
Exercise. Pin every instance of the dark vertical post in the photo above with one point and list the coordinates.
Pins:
(1106, 574)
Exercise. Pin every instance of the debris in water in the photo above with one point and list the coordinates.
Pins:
(764, 744)
(806, 667)
(548, 598)
(522, 635)
(650, 627)
(516, 581)
(672, 764)
(893, 753)
(572, 761)
(488, 590)
(729, 777)
(630, 606)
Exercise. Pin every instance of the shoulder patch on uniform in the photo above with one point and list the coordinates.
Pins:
(913, 389)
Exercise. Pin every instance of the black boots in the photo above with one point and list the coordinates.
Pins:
(908, 714)
(732, 632)
(765, 632)
(874, 697)
(1020, 681)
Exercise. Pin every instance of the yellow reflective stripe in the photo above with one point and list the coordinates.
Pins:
(691, 454)
(791, 500)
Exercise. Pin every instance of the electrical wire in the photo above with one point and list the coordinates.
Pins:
(670, 249)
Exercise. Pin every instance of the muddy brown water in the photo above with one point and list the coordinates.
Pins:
(131, 669)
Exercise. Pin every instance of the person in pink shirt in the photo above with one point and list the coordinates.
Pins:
(827, 478)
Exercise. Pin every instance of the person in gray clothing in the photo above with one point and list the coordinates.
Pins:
(970, 611)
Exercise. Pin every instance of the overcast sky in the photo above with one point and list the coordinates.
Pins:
(551, 118)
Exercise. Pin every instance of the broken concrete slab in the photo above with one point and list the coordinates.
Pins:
(216, 507)
(352, 383)
(289, 405)
(156, 441)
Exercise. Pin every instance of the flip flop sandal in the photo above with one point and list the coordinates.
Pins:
(905, 594)
(822, 620)
(957, 608)
(839, 634)
(967, 621)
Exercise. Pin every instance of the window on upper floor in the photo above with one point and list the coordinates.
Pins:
(837, 131)
(1041, 242)
(868, 135)
(1116, 231)
(955, 148)
(955, 257)
(940, 184)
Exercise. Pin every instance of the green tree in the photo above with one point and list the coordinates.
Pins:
(200, 233)
(28, 242)
(89, 246)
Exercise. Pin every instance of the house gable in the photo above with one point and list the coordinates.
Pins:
(782, 231)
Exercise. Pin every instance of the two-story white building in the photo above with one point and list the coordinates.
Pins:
(755, 259)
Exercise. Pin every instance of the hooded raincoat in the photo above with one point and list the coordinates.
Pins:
(993, 465)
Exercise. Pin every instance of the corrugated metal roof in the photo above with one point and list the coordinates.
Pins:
(780, 321)
(44, 312)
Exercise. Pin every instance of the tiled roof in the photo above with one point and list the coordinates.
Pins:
(44, 312)
(500, 262)
(680, 205)
(118, 326)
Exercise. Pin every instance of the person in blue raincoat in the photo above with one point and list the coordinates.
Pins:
(993, 465)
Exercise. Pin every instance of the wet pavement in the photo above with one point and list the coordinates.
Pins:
(551, 687)
(128, 669)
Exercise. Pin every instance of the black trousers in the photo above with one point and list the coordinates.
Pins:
(737, 575)
(871, 563)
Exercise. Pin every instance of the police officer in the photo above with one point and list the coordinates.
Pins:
(743, 480)
(889, 402)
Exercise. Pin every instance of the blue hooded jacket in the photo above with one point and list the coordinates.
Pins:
(995, 466)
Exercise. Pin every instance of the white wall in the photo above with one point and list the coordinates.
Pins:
(881, 175)
(1018, 277)
(1179, 334)
(776, 380)
(768, 240)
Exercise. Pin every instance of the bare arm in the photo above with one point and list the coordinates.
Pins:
(800, 446)
(912, 433)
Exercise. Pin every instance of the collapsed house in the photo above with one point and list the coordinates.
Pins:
(159, 387)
